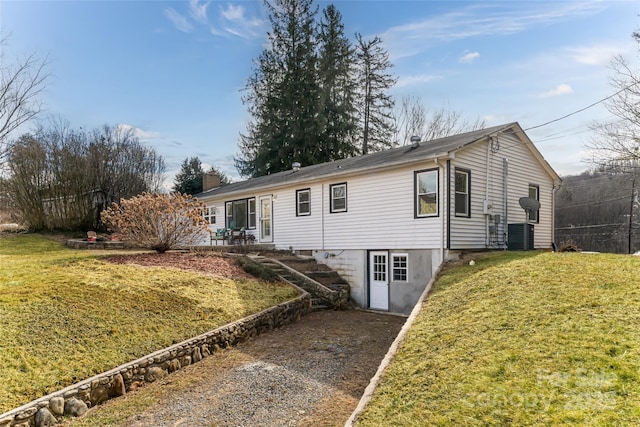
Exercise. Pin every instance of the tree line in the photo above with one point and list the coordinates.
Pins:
(62, 178)
(598, 211)
(305, 94)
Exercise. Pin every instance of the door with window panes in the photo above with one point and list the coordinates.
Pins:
(266, 208)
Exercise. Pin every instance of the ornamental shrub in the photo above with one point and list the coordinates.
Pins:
(157, 221)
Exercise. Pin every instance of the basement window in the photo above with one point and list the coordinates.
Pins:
(400, 267)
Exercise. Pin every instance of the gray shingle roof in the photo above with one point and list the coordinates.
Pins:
(391, 157)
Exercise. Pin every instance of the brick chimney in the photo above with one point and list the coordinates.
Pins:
(210, 180)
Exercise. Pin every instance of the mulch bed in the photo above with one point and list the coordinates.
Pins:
(207, 263)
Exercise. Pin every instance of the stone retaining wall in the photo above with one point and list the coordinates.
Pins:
(77, 398)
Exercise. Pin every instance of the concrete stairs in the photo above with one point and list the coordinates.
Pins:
(327, 289)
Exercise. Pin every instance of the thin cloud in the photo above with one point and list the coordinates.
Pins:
(142, 134)
(479, 20)
(230, 20)
(198, 11)
(180, 22)
(561, 89)
(405, 81)
(236, 22)
(469, 57)
(594, 55)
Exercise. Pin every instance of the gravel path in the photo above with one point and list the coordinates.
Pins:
(310, 373)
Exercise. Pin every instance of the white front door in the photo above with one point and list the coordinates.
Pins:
(379, 280)
(265, 219)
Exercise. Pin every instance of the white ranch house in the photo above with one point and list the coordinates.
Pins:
(386, 221)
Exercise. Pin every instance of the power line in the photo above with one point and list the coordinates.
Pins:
(582, 109)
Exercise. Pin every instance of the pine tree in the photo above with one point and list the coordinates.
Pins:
(336, 75)
(282, 94)
(189, 179)
(375, 103)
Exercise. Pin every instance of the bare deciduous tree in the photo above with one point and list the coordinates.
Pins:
(618, 140)
(414, 118)
(61, 178)
(21, 85)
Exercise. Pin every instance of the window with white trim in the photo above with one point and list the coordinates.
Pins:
(463, 193)
(303, 202)
(400, 267)
(338, 196)
(209, 214)
(426, 193)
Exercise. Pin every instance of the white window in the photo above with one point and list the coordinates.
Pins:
(303, 202)
(210, 214)
(338, 193)
(400, 267)
(463, 200)
(426, 193)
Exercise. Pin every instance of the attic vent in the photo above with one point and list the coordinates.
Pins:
(295, 166)
(415, 141)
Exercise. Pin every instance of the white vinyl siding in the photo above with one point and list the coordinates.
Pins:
(523, 169)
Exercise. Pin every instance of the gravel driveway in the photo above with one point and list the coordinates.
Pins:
(311, 373)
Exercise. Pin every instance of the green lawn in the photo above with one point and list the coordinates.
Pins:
(521, 339)
(66, 315)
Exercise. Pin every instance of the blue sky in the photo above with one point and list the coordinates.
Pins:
(174, 70)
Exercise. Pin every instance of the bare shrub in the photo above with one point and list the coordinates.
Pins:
(568, 246)
(157, 221)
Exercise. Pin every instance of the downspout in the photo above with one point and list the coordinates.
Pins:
(553, 214)
(448, 219)
(505, 196)
(486, 195)
(442, 242)
(322, 218)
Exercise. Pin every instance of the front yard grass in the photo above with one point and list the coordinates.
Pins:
(521, 339)
(66, 315)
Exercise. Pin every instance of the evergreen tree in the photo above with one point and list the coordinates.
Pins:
(337, 86)
(189, 179)
(375, 103)
(282, 94)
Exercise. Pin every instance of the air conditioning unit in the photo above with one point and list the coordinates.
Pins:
(520, 237)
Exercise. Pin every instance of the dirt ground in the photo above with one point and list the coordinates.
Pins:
(314, 371)
(335, 352)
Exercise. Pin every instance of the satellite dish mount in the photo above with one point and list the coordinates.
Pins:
(528, 204)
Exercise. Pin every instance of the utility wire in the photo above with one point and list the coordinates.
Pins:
(582, 109)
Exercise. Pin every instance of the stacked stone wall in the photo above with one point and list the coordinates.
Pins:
(77, 398)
